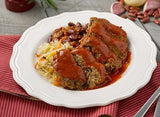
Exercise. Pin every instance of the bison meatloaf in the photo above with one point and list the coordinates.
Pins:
(107, 42)
(101, 52)
(113, 36)
(94, 71)
(71, 75)
(78, 69)
(85, 57)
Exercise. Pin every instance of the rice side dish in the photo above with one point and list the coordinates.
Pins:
(44, 59)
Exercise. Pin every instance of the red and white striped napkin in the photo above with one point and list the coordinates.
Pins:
(18, 106)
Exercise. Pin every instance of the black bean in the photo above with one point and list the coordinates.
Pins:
(58, 30)
(60, 34)
(67, 34)
(70, 31)
(79, 28)
(73, 37)
(86, 26)
(78, 24)
(71, 24)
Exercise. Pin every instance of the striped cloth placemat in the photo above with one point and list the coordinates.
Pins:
(18, 106)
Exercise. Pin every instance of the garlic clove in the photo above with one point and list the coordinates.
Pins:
(151, 4)
(117, 8)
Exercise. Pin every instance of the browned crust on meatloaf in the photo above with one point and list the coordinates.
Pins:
(113, 36)
(70, 73)
(102, 53)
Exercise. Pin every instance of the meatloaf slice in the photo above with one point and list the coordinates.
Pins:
(101, 52)
(113, 36)
(71, 75)
(114, 30)
(95, 72)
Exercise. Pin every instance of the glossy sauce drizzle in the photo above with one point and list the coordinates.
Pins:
(118, 74)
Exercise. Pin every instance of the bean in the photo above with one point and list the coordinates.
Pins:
(150, 12)
(156, 14)
(71, 24)
(145, 19)
(140, 13)
(124, 16)
(145, 14)
(73, 37)
(78, 24)
(132, 18)
(70, 31)
(86, 26)
(79, 28)
(156, 21)
(133, 11)
(134, 8)
(58, 30)
(132, 14)
(158, 10)
(60, 34)
(140, 16)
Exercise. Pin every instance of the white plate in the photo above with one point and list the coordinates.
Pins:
(138, 74)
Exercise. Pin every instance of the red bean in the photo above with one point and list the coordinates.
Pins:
(57, 30)
(70, 31)
(133, 11)
(150, 12)
(124, 16)
(132, 14)
(156, 21)
(140, 16)
(145, 14)
(158, 10)
(73, 37)
(60, 34)
(71, 24)
(140, 13)
(134, 8)
(78, 24)
(86, 26)
(145, 19)
(156, 14)
(132, 18)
